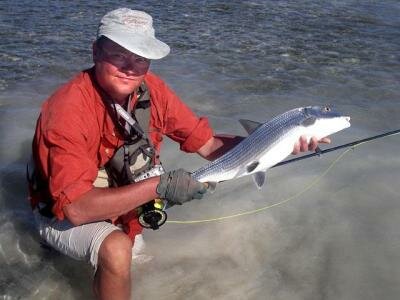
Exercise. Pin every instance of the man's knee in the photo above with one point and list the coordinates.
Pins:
(115, 252)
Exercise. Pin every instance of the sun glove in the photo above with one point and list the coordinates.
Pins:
(178, 187)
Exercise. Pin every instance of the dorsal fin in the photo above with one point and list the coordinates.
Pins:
(249, 125)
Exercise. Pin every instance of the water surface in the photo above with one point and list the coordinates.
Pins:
(229, 60)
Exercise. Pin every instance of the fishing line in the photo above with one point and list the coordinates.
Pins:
(351, 146)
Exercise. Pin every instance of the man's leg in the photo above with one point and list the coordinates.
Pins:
(113, 275)
(101, 244)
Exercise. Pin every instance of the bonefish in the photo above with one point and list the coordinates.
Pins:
(271, 142)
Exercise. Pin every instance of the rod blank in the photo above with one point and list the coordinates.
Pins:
(355, 143)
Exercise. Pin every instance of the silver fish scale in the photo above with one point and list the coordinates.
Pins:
(264, 137)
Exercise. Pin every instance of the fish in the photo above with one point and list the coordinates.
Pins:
(269, 143)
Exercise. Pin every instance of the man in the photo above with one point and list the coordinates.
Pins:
(114, 116)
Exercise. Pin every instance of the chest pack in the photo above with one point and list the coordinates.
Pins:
(137, 159)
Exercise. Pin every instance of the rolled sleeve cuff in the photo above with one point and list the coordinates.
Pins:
(199, 136)
(67, 196)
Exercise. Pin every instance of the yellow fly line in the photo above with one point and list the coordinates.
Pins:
(250, 212)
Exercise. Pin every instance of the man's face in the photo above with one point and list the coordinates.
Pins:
(118, 71)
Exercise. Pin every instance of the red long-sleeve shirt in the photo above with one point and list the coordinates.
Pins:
(75, 135)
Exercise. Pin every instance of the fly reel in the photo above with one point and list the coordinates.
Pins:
(152, 214)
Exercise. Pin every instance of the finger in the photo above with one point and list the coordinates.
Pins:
(303, 144)
(201, 187)
(325, 140)
(313, 144)
(296, 148)
(204, 190)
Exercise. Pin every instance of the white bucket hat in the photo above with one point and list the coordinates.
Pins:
(133, 30)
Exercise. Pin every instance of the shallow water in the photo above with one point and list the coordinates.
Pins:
(229, 60)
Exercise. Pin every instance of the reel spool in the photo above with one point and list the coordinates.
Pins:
(152, 215)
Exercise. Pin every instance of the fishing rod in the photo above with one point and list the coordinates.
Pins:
(355, 143)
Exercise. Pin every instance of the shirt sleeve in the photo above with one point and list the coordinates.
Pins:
(71, 172)
(71, 169)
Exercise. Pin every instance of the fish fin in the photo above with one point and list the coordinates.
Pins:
(259, 179)
(308, 121)
(252, 166)
(249, 125)
(211, 186)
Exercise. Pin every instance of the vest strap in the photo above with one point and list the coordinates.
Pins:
(137, 155)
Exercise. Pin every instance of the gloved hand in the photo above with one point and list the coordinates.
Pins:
(178, 187)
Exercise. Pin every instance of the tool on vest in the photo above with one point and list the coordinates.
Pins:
(127, 117)
(136, 159)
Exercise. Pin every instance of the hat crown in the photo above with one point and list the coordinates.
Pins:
(126, 19)
(133, 30)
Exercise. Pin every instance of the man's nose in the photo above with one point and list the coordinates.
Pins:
(131, 65)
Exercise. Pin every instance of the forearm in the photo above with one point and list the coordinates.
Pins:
(108, 203)
(219, 145)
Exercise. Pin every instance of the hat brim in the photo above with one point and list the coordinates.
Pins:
(143, 45)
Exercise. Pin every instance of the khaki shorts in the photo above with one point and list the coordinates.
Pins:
(80, 242)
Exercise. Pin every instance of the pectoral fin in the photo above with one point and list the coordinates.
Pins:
(309, 121)
(252, 166)
(259, 179)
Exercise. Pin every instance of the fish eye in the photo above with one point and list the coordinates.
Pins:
(326, 109)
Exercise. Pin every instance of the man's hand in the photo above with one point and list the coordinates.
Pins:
(303, 146)
(179, 187)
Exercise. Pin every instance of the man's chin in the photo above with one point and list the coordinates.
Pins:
(121, 90)
(122, 94)
(128, 84)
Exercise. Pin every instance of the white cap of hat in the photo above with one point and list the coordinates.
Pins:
(133, 30)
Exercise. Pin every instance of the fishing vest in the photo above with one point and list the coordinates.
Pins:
(137, 155)
(136, 159)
